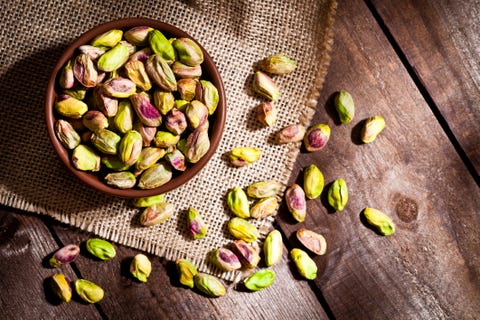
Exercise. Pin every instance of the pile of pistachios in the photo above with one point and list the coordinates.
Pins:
(133, 106)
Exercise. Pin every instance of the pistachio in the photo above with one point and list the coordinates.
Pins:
(89, 291)
(100, 248)
(141, 267)
(260, 280)
(130, 47)
(186, 88)
(64, 255)
(313, 241)
(61, 287)
(243, 156)
(67, 136)
(164, 139)
(247, 253)
(383, 223)
(123, 120)
(316, 137)
(209, 285)
(189, 52)
(155, 176)
(114, 58)
(264, 86)
(186, 271)
(121, 180)
(242, 229)
(77, 93)
(176, 122)
(119, 87)
(264, 189)
(130, 147)
(114, 163)
(338, 194)
(305, 265)
(267, 113)
(207, 93)
(344, 106)
(292, 133)
(84, 71)
(238, 203)
(148, 201)
(296, 202)
(273, 248)
(156, 214)
(225, 260)
(164, 101)
(313, 182)
(147, 133)
(85, 159)
(148, 157)
(181, 104)
(196, 226)
(278, 64)
(196, 113)
(176, 160)
(141, 55)
(161, 46)
(264, 208)
(67, 79)
(161, 73)
(373, 126)
(108, 39)
(197, 145)
(106, 104)
(94, 120)
(91, 51)
(138, 35)
(146, 112)
(70, 107)
(183, 71)
(136, 72)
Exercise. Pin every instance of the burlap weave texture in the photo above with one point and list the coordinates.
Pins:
(237, 34)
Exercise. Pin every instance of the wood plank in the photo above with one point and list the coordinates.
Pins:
(441, 41)
(430, 268)
(25, 244)
(163, 297)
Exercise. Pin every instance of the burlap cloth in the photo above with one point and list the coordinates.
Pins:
(237, 34)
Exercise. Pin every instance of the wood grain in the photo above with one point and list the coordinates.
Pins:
(441, 42)
(430, 268)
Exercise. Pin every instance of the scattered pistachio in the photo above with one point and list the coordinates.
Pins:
(209, 285)
(296, 202)
(61, 287)
(247, 253)
(264, 208)
(273, 248)
(313, 241)
(373, 126)
(156, 214)
(196, 226)
(68, 137)
(101, 249)
(224, 259)
(64, 255)
(264, 86)
(148, 201)
(344, 106)
(238, 202)
(313, 182)
(243, 156)
(187, 271)
(292, 133)
(338, 194)
(260, 280)
(383, 223)
(316, 137)
(89, 291)
(267, 113)
(278, 64)
(241, 229)
(141, 267)
(305, 265)
(264, 189)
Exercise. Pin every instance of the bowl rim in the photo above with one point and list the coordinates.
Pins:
(94, 180)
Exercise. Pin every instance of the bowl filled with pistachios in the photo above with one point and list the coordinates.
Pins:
(135, 107)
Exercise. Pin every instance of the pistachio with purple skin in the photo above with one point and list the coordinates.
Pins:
(292, 133)
(84, 71)
(138, 35)
(160, 72)
(136, 72)
(176, 121)
(145, 110)
(183, 71)
(196, 113)
(156, 214)
(225, 260)
(264, 86)
(267, 113)
(91, 51)
(141, 55)
(186, 88)
(94, 120)
(64, 255)
(247, 253)
(119, 87)
(296, 202)
(195, 224)
(67, 79)
(176, 160)
(66, 134)
(316, 137)
(70, 107)
(106, 104)
(147, 132)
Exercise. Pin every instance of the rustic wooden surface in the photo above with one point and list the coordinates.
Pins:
(416, 64)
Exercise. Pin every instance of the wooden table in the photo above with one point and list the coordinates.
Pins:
(417, 63)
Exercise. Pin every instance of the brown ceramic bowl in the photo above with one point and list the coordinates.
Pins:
(95, 180)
